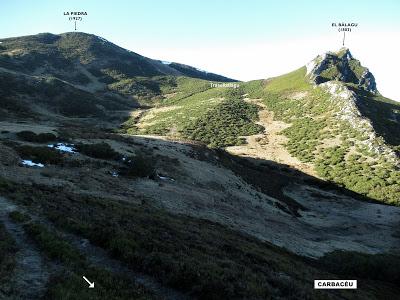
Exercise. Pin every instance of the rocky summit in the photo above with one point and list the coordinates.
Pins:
(341, 66)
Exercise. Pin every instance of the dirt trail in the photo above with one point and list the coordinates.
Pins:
(269, 145)
(31, 272)
(98, 257)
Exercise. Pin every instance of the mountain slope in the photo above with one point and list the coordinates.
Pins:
(329, 130)
(336, 123)
(48, 53)
(76, 64)
(162, 186)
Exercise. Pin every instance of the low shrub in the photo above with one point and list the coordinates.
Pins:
(19, 217)
(52, 245)
(108, 285)
(138, 166)
(225, 125)
(100, 150)
(384, 267)
(7, 255)
(40, 154)
(30, 136)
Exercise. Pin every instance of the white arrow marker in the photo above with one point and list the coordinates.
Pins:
(91, 284)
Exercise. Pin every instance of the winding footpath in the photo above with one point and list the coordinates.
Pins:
(31, 272)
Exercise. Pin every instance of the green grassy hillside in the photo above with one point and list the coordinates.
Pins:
(333, 145)
(220, 117)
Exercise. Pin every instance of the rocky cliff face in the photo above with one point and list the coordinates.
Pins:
(341, 66)
(341, 76)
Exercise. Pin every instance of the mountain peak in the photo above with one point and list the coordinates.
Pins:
(341, 66)
(344, 52)
(63, 56)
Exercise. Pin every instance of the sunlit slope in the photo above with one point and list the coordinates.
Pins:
(340, 150)
(330, 132)
(195, 110)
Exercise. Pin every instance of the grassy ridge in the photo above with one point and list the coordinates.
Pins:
(293, 81)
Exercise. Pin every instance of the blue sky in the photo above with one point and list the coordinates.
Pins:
(178, 22)
(235, 38)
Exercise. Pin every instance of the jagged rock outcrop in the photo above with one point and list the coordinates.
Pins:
(334, 72)
(346, 100)
(341, 66)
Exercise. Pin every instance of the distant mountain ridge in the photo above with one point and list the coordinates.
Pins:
(59, 50)
(80, 74)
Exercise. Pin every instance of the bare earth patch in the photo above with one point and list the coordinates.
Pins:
(299, 95)
(145, 117)
(269, 145)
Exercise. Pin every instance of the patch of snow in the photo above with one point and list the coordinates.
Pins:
(165, 177)
(30, 163)
(63, 147)
(310, 66)
(166, 62)
(102, 39)
(125, 159)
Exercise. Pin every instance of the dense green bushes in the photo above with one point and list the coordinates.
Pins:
(7, 254)
(99, 150)
(54, 246)
(304, 136)
(44, 155)
(225, 124)
(318, 135)
(196, 256)
(182, 252)
(19, 217)
(375, 179)
(383, 267)
(30, 136)
(134, 166)
(68, 283)
(138, 166)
